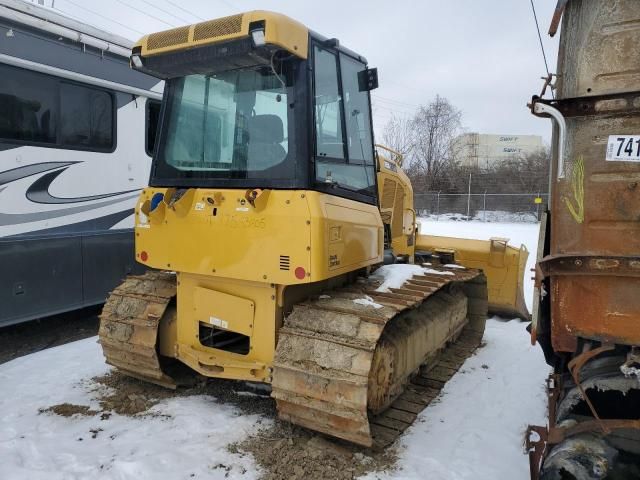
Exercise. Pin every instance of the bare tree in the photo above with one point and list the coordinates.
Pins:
(525, 173)
(436, 126)
(426, 141)
(399, 135)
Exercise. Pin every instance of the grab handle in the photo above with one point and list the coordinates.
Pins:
(543, 108)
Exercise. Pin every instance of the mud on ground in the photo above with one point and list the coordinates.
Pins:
(129, 396)
(69, 410)
(288, 452)
(283, 451)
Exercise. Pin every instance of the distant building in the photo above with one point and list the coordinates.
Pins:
(485, 151)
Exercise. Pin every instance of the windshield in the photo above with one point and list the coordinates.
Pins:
(232, 124)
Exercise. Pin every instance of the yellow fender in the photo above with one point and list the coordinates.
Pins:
(503, 265)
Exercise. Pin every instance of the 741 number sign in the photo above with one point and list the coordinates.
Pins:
(623, 148)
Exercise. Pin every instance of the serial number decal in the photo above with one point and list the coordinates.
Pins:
(243, 221)
(218, 322)
(623, 148)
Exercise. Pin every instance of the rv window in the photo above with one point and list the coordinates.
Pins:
(29, 103)
(45, 110)
(86, 117)
(153, 115)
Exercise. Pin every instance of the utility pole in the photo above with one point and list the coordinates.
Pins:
(469, 199)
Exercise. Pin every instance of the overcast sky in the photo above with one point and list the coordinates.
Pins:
(483, 55)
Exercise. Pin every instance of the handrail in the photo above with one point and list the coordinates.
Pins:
(399, 157)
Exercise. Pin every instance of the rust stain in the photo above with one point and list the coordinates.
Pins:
(602, 307)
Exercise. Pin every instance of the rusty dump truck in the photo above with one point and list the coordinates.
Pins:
(587, 301)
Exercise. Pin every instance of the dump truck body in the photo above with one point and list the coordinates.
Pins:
(587, 317)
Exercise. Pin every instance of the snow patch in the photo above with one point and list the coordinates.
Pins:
(628, 371)
(453, 265)
(368, 302)
(601, 384)
(496, 216)
(395, 275)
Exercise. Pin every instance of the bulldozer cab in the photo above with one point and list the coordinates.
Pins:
(266, 109)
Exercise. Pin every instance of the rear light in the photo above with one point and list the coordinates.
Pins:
(300, 273)
(144, 256)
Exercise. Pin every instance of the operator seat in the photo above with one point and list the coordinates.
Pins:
(266, 133)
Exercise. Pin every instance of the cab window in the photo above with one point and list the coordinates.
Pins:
(357, 119)
(344, 143)
(328, 106)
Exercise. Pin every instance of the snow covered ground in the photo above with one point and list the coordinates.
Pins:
(474, 430)
(499, 216)
(37, 446)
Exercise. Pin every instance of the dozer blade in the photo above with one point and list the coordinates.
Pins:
(503, 265)
(129, 325)
(363, 370)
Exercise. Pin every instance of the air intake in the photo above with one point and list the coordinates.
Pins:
(217, 28)
(168, 38)
(285, 262)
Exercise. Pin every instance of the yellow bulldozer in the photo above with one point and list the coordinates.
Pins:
(267, 217)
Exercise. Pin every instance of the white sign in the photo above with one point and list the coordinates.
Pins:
(623, 148)
(218, 322)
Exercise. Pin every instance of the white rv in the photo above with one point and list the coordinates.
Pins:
(77, 129)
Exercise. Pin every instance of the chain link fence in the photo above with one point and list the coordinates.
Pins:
(486, 207)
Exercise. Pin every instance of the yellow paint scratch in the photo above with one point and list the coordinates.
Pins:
(577, 184)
